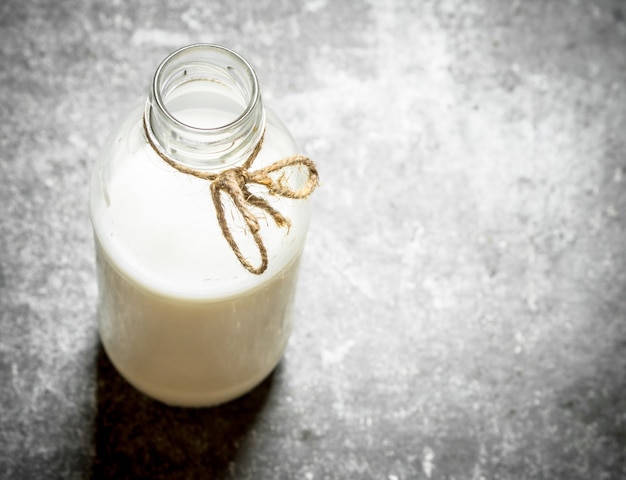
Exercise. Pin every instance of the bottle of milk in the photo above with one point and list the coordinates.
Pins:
(200, 210)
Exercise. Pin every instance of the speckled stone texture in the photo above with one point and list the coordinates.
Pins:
(462, 306)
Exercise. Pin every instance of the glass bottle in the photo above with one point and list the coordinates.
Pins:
(187, 315)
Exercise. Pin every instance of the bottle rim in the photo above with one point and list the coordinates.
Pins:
(210, 146)
(161, 77)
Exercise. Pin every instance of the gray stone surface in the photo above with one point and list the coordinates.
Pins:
(462, 306)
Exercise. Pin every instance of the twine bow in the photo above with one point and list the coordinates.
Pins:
(234, 182)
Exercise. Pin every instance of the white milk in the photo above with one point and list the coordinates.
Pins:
(180, 318)
(192, 351)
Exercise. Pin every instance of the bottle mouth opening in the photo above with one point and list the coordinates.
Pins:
(211, 71)
(204, 109)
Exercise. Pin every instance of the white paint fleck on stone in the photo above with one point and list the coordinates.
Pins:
(428, 456)
(333, 357)
(159, 37)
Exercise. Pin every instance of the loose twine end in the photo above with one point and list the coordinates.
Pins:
(234, 183)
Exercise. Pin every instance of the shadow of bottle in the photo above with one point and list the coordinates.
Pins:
(138, 437)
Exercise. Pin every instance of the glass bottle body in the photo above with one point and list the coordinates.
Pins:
(179, 316)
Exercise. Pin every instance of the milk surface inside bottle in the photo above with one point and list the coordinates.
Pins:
(179, 316)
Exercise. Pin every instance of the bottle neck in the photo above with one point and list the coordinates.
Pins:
(204, 108)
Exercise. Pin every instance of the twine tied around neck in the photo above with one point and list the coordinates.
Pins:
(234, 183)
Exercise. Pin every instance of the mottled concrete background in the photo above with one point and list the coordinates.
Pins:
(462, 305)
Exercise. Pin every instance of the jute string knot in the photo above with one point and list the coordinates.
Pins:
(234, 182)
